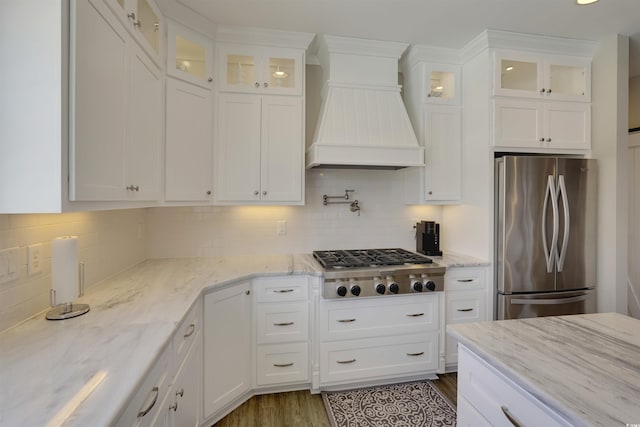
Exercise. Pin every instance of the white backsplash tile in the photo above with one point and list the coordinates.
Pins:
(384, 221)
(108, 243)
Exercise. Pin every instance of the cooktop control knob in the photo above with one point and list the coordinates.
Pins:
(394, 288)
(380, 288)
(430, 285)
(355, 290)
(417, 286)
(342, 290)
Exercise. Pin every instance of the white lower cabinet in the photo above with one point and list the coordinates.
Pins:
(466, 297)
(497, 399)
(185, 395)
(378, 338)
(227, 346)
(145, 407)
(282, 331)
(171, 393)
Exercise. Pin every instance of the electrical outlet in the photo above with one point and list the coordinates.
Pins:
(34, 259)
(281, 228)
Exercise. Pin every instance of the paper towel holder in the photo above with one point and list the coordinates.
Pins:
(69, 309)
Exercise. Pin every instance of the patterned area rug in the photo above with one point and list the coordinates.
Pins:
(408, 404)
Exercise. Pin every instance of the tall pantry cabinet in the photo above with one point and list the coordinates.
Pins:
(260, 117)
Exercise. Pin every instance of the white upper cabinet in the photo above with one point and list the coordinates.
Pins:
(259, 69)
(189, 142)
(144, 21)
(443, 153)
(442, 84)
(549, 77)
(259, 149)
(526, 125)
(116, 111)
(189, 55)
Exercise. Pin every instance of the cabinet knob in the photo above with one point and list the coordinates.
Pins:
(266, 84)
(247, 292)
(542, 90)
(548, 90)
(180, 393)
(131, 15)
(133, 188)
(541, 139)
(548, 139)
(210, 79)
(255, 193)
(264, 193)
(174, 407)
(208, 192)
(257, 84)
(430, 193)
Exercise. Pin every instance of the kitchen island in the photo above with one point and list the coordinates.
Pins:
(580, 370)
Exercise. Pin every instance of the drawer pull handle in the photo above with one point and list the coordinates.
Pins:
(346, 320)
(343, 362)
(513, 420)
(415, 315)
(465, 280)
(192, 328)
(465, 309)
(283, 291)
(415, 354)
(283, 324)
(145, 411)
(283, 365)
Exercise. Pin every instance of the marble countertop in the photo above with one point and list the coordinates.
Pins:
(585, 367)
(45, 366)
(453, 260)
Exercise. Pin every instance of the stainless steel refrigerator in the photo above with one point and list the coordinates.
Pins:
(545, 236)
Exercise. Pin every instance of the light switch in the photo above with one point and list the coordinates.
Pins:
(282, 228)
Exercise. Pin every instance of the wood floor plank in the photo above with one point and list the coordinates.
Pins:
(301, 408)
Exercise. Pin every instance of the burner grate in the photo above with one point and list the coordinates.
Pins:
(353, 258)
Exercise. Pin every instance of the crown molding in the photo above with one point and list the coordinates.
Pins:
(263, 36)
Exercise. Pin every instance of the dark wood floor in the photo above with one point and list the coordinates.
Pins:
(301, 408)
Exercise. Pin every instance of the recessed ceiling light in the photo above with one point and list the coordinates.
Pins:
(509, 68)
(586, 1)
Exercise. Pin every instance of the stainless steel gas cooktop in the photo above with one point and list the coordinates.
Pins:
(378, 272)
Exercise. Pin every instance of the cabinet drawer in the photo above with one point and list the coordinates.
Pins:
(464, 279)
(282, 363)
(146, 404)
(372, 358)
(186, 333)
(282, 322)
(465, 306)
(280, 289)
(493, 395)
(375, 317)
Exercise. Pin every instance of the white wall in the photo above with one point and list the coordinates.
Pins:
(384, 221)
(634, 102)
(610, 77)
(109, 242)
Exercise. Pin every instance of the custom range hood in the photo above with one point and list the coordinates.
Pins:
(363, 122)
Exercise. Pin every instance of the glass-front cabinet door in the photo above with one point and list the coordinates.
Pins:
(189, 55)
(517, 74)
(442, 84)
(551, 77)
(245, 68)
(568, 78)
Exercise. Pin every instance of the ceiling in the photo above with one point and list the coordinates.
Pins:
(444, 23)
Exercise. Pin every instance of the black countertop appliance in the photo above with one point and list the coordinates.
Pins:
(428, 238)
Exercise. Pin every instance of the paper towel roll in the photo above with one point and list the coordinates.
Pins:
(64, 268)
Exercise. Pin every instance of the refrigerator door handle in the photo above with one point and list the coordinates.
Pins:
(555, 301)
(550, 251)
(562, 189)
